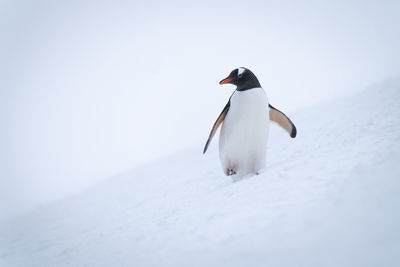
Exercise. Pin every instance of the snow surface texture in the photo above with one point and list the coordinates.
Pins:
(329, 197)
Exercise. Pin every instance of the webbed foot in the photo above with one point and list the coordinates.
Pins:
(230, 172)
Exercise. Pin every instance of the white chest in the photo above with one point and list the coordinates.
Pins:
(249, 106)
(244, 133)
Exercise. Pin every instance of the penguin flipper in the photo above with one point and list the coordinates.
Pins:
(217, 123)
(280, 118)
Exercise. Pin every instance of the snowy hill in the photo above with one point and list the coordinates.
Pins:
(330, 197)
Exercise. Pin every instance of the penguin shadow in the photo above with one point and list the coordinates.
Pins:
(237, 178)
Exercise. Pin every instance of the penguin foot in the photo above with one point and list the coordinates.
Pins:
(230, 172)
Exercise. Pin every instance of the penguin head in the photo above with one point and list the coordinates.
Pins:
(243, 78)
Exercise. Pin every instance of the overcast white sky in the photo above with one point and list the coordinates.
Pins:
(93, 88)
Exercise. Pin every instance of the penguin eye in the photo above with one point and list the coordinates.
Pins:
(240, 75)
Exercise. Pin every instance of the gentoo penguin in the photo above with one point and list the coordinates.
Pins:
(245, 125)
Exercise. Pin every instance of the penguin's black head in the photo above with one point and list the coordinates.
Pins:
(243, 78)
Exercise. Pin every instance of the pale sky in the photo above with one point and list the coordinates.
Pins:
(93, 88)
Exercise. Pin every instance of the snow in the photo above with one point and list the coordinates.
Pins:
(329, 197)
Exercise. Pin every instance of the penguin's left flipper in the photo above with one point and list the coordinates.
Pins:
(217, 123)
(280, 118)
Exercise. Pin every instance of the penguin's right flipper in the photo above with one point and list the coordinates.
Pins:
(217, 123)
(280, 118)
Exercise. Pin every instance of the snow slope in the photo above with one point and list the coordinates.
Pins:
(330, 197)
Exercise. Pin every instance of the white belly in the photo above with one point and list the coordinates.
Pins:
(244, 133)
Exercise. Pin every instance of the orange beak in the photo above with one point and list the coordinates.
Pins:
(227, 80)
